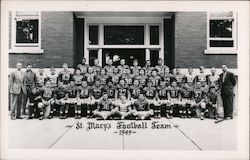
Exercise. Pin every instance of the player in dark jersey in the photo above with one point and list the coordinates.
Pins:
(35, 98)
(44, 107)
(53, 77)
(128, 77)
(141, 109)
(174, 97)
(178, 77)
(190, 77)
(96, 93)
(202, 78)
(90, 76)
(109, 68)
(41, 77)
(199, 97)
(83, 67)
(135, 90)
(102, 77)
(77, 78)
(115, 77)
(148, 68)
(110, 89)
(162, 98)
(65, 75)
(122, 67)
(212, 101)
(187, 103)
(122, 90)
(151, 94)
(71, 100)
(166, 76)
(135, 68)
(105, 108)
(60, 101)
(154, 78)
(84, 101)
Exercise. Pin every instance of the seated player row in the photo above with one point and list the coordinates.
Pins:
(122, 100)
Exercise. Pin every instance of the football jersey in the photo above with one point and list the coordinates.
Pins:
(122, 68)
(201, 78)
(143, 80)
(83, 67)
(60, 93)
(122, 91)
(72, 92)
(96, 69)
(160, 69)
(105, 105)
(123, 107)
(40, 80)
(150, 92)
(214, 81)
(53, 80)
(90, 78)
(85, 92)
(154, 80)
(141, 105)
(64, 77)
(78, 80)
(162, 93)
(110, 91)
(199, 94)
(34, 98)
(135, 91)
(109, 69)
(47, 93)
(135, 70)
(167, 78)
(147, 69)
(179, 78)
(190, 79)
(186, 93)
(115, 78)
(97, 91)
(212, 97)
(174, 92)
(128, 79)
(102, 78)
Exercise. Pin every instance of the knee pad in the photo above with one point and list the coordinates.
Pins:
(40, 105)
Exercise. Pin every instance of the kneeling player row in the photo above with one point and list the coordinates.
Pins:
(141, 108)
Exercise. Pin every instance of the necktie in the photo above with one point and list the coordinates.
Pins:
(224, 75)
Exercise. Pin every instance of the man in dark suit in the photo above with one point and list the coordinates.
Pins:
(228, 82)
(17, 91)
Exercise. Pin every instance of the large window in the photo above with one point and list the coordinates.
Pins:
(26, 32)
(123, 35)
(221, 30)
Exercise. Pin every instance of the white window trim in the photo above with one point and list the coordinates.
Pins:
(222, 50)
(34, 48)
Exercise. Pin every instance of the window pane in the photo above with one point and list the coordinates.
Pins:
(27, 31)
(221, 14)
(221, 43)
(127, 35)
(154, 35)
(93, 35)
(93, 54)
(154, 56)
(221, 28)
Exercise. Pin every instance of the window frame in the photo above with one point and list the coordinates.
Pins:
(34, 48)
(222, 50)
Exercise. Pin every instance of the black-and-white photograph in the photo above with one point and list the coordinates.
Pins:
(123, 80)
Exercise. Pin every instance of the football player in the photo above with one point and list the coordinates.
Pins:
(199, 97)
(190, 77)
(212, 101)
(90, 76)
(109, 68)
(160, 67)
(128, 77)
(35, 98)
(142, 78)
(52, 76)
(41, 77)
(122, 90)
(122, 67)
(115, 76)
(72, 96)
(135, 90)
(77, 78)
(202, 77)
(105, 108)
(96, 93)
(141, 108)
(125, 108)
(174, 97)
(148, 68)
(83, 66)
(44, 107)
(214, 79)
(154, 78)
(166, 76)
(96, 67)
(60, 101)
(135, 68)
(84, 101)
(162, 98)
(65, 75)
(111, 90)
(102, 77)
(178, 77)
(187, 103)
(151, 94)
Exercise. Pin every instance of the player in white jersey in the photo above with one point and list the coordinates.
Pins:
(53, 77)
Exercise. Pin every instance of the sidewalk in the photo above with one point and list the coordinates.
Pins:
(174, 134)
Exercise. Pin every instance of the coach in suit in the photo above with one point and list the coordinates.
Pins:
(17, 91)
(30, 81)
(227, 91)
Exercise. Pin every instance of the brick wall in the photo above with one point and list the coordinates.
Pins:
(191, 41)
(56, 40)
